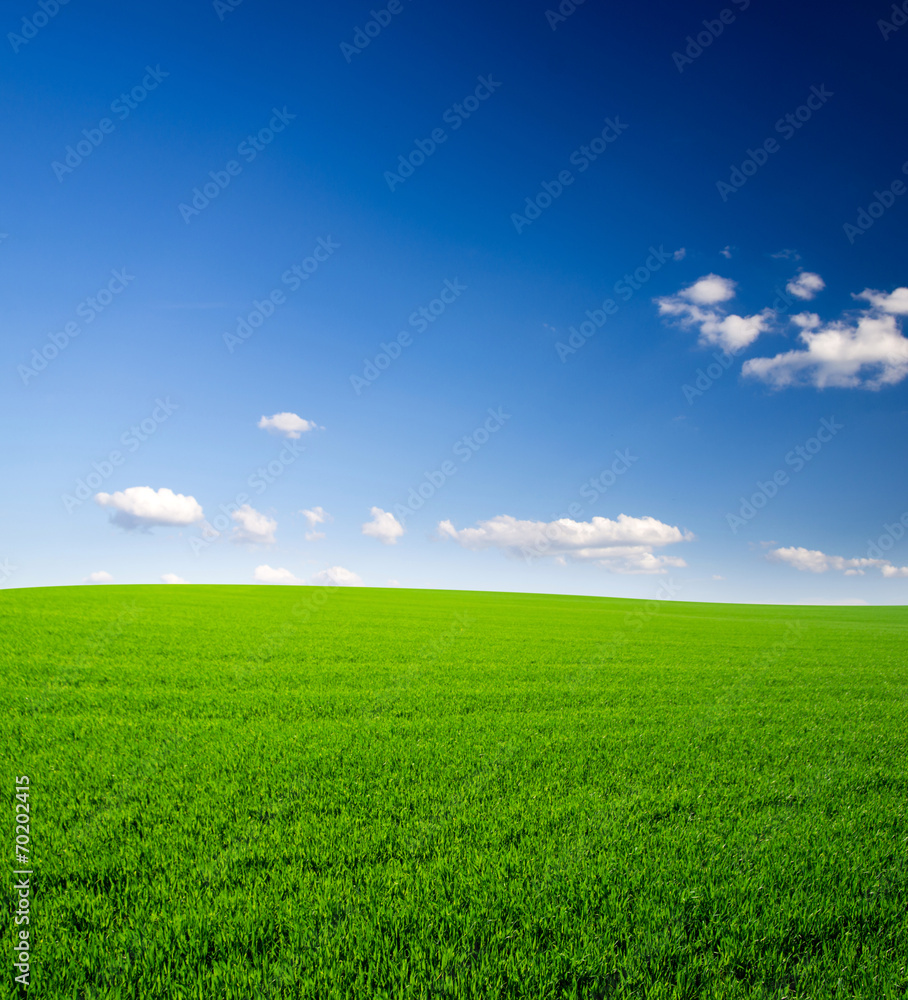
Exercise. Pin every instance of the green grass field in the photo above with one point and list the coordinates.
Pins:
(249, 792)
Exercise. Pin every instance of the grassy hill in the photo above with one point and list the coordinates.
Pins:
(245, 792)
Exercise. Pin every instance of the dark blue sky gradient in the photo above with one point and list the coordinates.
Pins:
(324, 175)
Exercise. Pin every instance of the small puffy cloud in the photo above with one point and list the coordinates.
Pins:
(143, 507)
(895, 302)
(732, 332)
(680, 254)
(267, 574)
(699, 305)
(805, 285)
(100, 577)
(718, 576)
(806, 320)
(317, 515)
(809, 560)
(786, 255)
(393, 583)
(866, 351)
(172, 578)
(252, 527)
(726, 252)
(333, 576)
(384, 526)
(814, 561)
(709, 290)
(336, 576)
(289, 425)
(624, 545)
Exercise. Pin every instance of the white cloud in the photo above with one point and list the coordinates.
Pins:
(680, 254)
(252, 526)
(786, 255)
(709, 290)
(172, 578)
(266, 574)
(287, 424)
(333, 576)
(810, 560)
(814, 561)
(699, 305)
(718, 576)
(393, 583)
(732, 332)
(805, 285)
(384, 526)
(317, 515)
(624, 545)
(726, 252)
(100, 577)
(336, 576)
(896, 302)
(806, 320)
(863, 352)
(143, 507)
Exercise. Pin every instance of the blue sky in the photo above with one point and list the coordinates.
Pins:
(503, 170)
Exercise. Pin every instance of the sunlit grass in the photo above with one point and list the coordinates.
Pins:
(247, 792)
